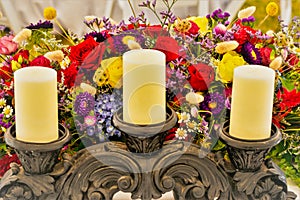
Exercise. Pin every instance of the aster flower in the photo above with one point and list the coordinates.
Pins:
(7, 111)
(2, 102)
(184, 117)
(84, 104)
(181, 134)
(214, 102)
(41, 24)
(251, 54)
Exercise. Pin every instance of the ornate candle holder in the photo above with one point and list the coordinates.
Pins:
(147, 167)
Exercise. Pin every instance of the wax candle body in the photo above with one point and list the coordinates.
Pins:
(144, 90)
(252, 102)
(36, 104)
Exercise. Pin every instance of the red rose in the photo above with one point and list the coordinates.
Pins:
(79, 52)
(265, 53)
(94, 58)
(41, 61)
(168, 46)
(201, 75)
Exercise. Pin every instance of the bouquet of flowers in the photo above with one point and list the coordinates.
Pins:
(201, 54)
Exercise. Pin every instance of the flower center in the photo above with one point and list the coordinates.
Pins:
(212, 105)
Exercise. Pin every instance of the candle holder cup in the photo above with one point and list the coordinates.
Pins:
(37, 158)
(144, 138)
(146, 166)
(248, 155)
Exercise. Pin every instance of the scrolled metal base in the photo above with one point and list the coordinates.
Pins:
(100, 171)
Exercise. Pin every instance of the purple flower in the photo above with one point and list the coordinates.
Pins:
(84, 104)
(214, 102)
(41, 24)
(251, 54)
(98, 36)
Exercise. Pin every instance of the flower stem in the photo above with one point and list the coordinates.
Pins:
(131, 7)
(266, 17)
(64, 32)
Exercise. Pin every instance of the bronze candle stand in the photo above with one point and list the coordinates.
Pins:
(147, 167)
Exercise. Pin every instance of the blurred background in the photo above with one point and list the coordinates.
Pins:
(17, 14)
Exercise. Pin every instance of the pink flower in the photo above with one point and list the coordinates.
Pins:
(7, 46)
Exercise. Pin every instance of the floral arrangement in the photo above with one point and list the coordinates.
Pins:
(201, 54)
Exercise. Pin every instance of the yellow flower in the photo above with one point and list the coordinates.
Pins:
(247, 12)
(229, 62)
(57, 55)
(100, 77)
(272, 9)
(110, 72)
(115, 70)
(276, 63)
(23, 35)
(49, 13)
(202, 23)
(182, 26)
(226, 46)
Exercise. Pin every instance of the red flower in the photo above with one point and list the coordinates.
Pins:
(265, 53)
(94, 58)
(201, 75)
(244, 34)
(6, 73)
(194, 29)
(69, 75)
(41, 61)
(23, 53)
(5, 162)
(292, 59)
(288, 99)
(79, 52)
(168, 46)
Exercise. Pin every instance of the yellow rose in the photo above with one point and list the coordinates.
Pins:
(229, 62)
(114, 68)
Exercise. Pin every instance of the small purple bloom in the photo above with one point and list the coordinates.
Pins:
(84, 104)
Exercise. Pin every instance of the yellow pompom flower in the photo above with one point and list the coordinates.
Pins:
(49, 13)
(272, 9)
(226, 66)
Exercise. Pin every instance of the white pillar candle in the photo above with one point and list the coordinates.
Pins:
(144, 86)
(252, 102)
(36, 104)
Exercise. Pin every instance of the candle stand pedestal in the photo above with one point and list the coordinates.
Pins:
(148, 167)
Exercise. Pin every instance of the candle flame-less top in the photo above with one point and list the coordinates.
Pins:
(252, 102)
(36, 104)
